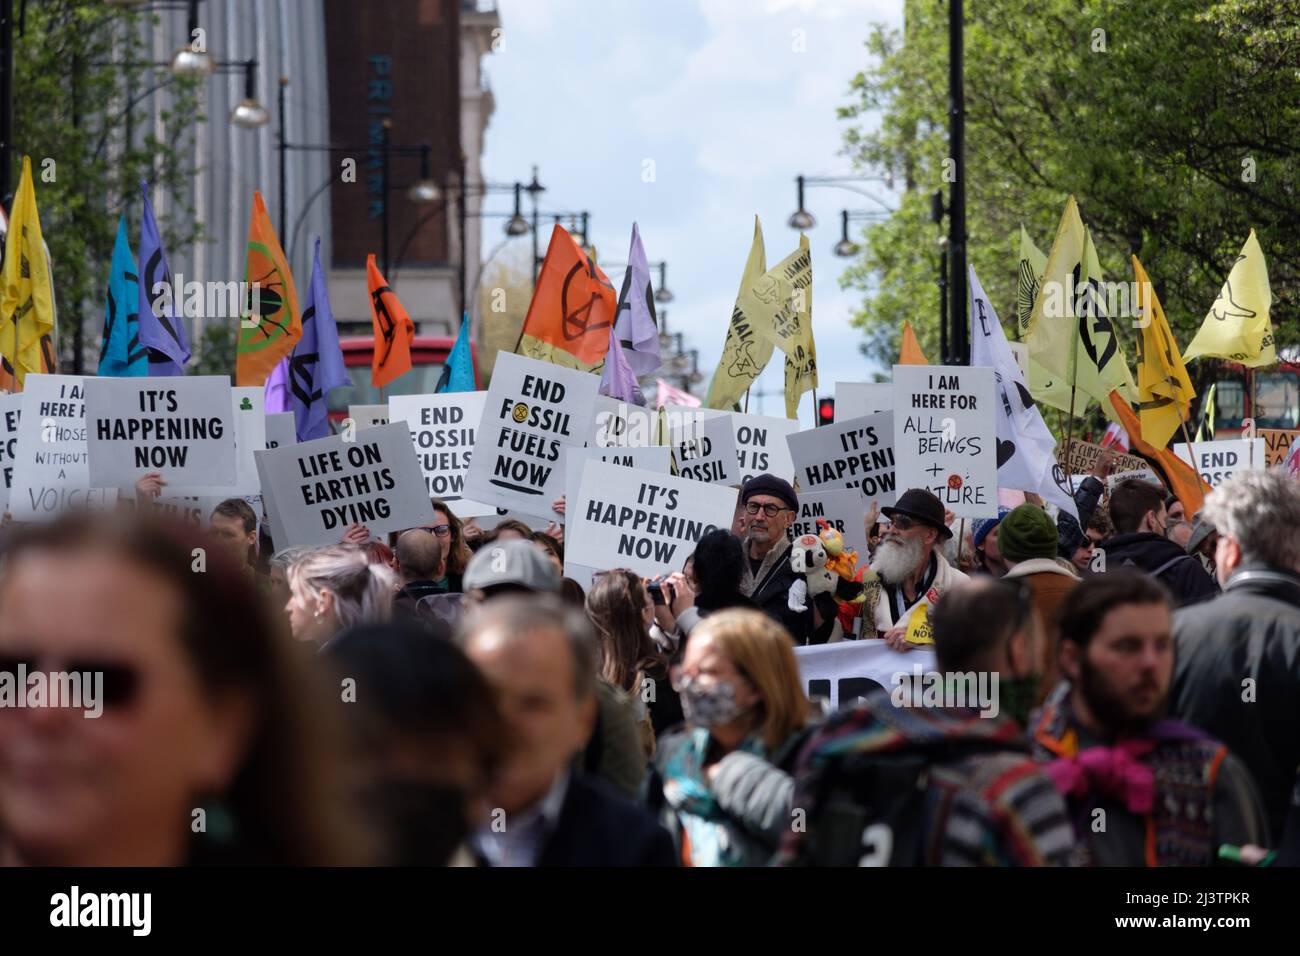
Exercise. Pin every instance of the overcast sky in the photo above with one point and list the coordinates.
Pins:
(718, 95)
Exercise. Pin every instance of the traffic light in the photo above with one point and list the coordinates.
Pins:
(826, 411)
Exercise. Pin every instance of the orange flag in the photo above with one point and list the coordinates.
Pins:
(1178, 476)
(910, 353)
(572, 311)
(271, 329)
(394, 329)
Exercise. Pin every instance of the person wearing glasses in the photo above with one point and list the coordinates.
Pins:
(913, 572)
(770, 508)
(451, 535)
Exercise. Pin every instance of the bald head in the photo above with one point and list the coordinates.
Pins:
(419, 556)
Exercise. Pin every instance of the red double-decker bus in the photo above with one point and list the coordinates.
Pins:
(1270, 396)
(428, 356)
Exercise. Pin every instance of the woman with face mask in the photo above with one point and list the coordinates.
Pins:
(723, 784)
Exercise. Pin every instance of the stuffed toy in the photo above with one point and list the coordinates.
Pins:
(856, 588)
(808, 557)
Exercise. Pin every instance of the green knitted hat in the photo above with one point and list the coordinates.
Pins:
(1027, 533)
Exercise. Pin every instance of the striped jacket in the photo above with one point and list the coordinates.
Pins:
(984, 800)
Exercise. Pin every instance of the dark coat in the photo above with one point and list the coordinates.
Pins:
(1177, 570)
(1252, 631)
(771, 593)
(598, 826)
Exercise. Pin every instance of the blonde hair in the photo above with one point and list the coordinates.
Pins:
(363, 592)
(760, 649)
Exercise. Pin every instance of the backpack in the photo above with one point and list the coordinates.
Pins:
(877, 809)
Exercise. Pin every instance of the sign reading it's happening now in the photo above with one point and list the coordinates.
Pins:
(854, 453)
(314, 491)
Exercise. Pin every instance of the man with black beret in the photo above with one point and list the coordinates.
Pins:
(770, 507)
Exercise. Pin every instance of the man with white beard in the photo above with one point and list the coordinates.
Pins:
(913, 571)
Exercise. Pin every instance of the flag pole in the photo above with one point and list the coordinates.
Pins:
(961, 539)
(816, 405)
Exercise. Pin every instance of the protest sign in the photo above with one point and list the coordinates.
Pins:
(280, 430)
(656, 458)
(10, 412)
(179, 426)
(1142, 474)
(196, 510)
(945, 436)
(843, 509)
(315, 490)
(855, 399)
(249, 411)
(1276, 442)
(708, 453)
(761, 446)
(621, 424)
(1080, 457)
(640, 520)
(533, 410)
(852, 453)
(51, 471)
(368, 416)
(843, 673)
(1217, 461)
(443, 430)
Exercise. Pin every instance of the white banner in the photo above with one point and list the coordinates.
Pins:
(853, 453)
(945, 436)
(534, 409)
(177, 425)
(315, 490)
(443, 429)
(1217, 461)
(845, 672)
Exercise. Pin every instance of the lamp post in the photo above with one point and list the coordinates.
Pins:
(957, 202)
(846, 247)
(803, 220)
(662, 295)
(535, 190)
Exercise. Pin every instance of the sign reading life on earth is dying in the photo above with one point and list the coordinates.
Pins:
(854, 453)
(316, 490)
(443, 431)
(533, 410)
(761, 446)
(635, 519)
(945, 435)
(179, 426)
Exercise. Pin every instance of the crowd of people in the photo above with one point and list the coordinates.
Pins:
(446, 695)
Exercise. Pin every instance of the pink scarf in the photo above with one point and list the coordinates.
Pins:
(1115, 771)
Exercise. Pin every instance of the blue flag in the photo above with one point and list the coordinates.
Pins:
(316, 363)
(161, 331)
(458, 374)
(121, 354)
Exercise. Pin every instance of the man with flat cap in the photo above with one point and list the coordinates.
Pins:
(770, 507)
(913, 572)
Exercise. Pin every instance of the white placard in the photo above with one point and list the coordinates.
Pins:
(656, 458)
(368, 416)
(11, 407)
(842, 509)
(855, 399)
(281, 429)
(845, 672)
(533, 410)
(707, 453)
(620, 424)
(1217, 461)
(249, 405)
(315, 490)
(640, 520)
(853, 453)
(945, 435)
(51, 470)
(179, 426)
(443, 429)
(761, 447)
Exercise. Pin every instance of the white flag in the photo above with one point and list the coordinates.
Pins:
(1026, 450)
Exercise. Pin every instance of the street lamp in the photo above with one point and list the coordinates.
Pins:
(662, 295)
(802, 219)
(249, 113)
(846, 247)
(424, 190)
(189, 61)
(518, 225)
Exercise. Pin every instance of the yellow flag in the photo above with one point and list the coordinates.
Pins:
(909, 352)
(1100, 366)
(1165, 392)
(1046, 388)
(785, 293)
(26, 293)
(745, 353)
(1238, 326)
(1052, 328)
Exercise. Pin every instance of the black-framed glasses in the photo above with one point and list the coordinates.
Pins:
(441, 530)
(121, 682)
(768, 509)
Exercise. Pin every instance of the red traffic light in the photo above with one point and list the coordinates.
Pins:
(826, 411)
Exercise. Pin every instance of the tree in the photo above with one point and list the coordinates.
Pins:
(1173, 124)
(80, 84)
(504, 292)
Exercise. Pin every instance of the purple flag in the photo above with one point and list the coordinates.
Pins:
(277, 388)
(161, 332)
(316, 363)
(618, 380)
(636, 323)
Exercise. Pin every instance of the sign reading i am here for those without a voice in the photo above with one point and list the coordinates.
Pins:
(843, 509)
(179, 426)
(640, 520)
(315, 490)
(10, 412)
(51, 472)
(1217, 461)
(945, 435)
(533, 410)
(443, 429)
(853, 453)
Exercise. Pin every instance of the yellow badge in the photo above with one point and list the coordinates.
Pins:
(918, 627)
